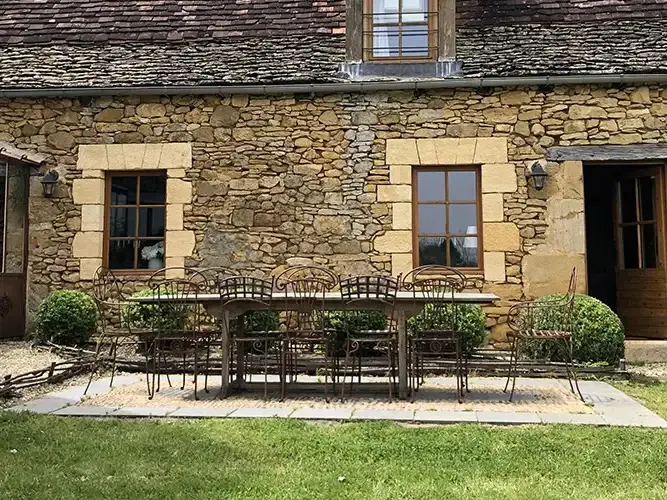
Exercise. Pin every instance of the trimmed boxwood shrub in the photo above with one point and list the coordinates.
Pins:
(599, 336)
(471, 321)
(66, 317)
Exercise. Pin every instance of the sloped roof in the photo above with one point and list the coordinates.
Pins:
(133, 43)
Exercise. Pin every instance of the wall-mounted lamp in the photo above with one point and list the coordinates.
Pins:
(538, 174)
(49, 182)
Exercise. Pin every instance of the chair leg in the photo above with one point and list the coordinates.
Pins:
(509, 369)
(208, 361)
(573, 369)
(98, 348)
(466, 372)
(459, 388)
(345, 366)
(389, 369)
(516, 366)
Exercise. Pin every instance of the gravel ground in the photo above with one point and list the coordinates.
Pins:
(19, 357)
(654, 370)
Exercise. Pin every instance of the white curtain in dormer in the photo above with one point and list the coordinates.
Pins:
(407, 19)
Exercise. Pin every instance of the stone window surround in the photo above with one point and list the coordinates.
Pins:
(498, 176)
(89, 192)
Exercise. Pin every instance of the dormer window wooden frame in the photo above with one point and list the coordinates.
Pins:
(364, 26)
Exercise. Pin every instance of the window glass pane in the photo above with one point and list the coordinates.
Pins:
(151, 254)
(122, 222)
(121, 254)
(385, 41)
(414, 11)
(432, 251)
(432, 219)
(628, 200)
(152, 189)
(647, 197)
(151, 222)
(415, 41)
(385, 11)
(649, 246)
(462, 186)
(124, 190)
(462, 219)
(463, 252)
(630, 250)
(431, 186)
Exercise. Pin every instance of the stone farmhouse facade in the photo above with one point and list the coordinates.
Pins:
(268, 132)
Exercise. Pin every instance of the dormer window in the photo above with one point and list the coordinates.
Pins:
(400, 30)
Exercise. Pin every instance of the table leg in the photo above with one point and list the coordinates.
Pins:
(224, 388)
(402, 355)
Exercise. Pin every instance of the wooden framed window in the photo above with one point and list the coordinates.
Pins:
(4, 196)
(637, 220)
(135, 220)
(400, 29)
(447, 217)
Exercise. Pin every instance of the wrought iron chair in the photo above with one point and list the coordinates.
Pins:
(361, 294)
(439, 334)
(176, 321)
(306, 286)
(114, 313)
(527, 324)
(250, 340)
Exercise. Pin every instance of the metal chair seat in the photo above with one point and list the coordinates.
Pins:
(540, 334)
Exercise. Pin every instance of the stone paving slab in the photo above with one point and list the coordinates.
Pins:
(261, 412)
(322, 413)
(143, 411)
(370, 414)
(507, 417)
(445, 416)
(43, 405)
(201, 412)
(85, 411)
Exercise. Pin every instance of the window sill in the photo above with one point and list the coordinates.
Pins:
(400, 70)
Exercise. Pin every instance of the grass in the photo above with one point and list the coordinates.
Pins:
(279, 459)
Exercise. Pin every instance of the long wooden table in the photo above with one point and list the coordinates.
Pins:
(407, 304)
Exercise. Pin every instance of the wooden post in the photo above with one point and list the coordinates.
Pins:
(447, 29)
(354, 22)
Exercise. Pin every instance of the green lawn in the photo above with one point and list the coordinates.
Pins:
(652, 394)
(142, 460)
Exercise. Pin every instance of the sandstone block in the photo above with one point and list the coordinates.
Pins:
(176, 263)
(494, 266)
(400, 174)
(224, 116)
(203, 134)
(501, 237)
(243, 217)
(401, 263)
(87, 244)
(426, 151)
(329, 118)
(364, 118)
(244, 184)
(179, 243)
(546, 274)
(394, 242)
(501, 115)
(499, 178)
(240, 100)
(641, 95)
(88, 191)
(465, 151)
(402, 152)
(88, 266)
(151, 110)
(515, 98)
(174, 217)
(579, 112)
(492, 207)
(61, 140)
(179, 191)
(446, 151)
(332, 224)
(490, 150)
(152, 156)
(92, 157)
(175, 155)
(625, 139)
(92, 218)
(394, 193)
(110, 115)
(401, 216)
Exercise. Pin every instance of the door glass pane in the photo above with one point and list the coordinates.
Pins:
(151, 254)
(630, 249)
(123, 190)
(152, 189)
(462, 219)
(432, 251)
(431, 186)
(628, 202)
(122, 222)
(649, 246)
(121, 254)
(463, 252)
(415, 41)
(432, 219)
(151, 222)
(462, 186)
(647, 198)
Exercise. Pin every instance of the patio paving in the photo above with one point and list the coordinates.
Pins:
(536, 401)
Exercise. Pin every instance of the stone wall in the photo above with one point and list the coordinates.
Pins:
(287, 177)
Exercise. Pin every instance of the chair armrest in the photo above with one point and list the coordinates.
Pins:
(521, 316)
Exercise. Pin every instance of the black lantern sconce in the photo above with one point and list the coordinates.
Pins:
(49, 182)
(538, 174)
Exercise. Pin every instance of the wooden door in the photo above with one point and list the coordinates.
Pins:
(641, 282)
